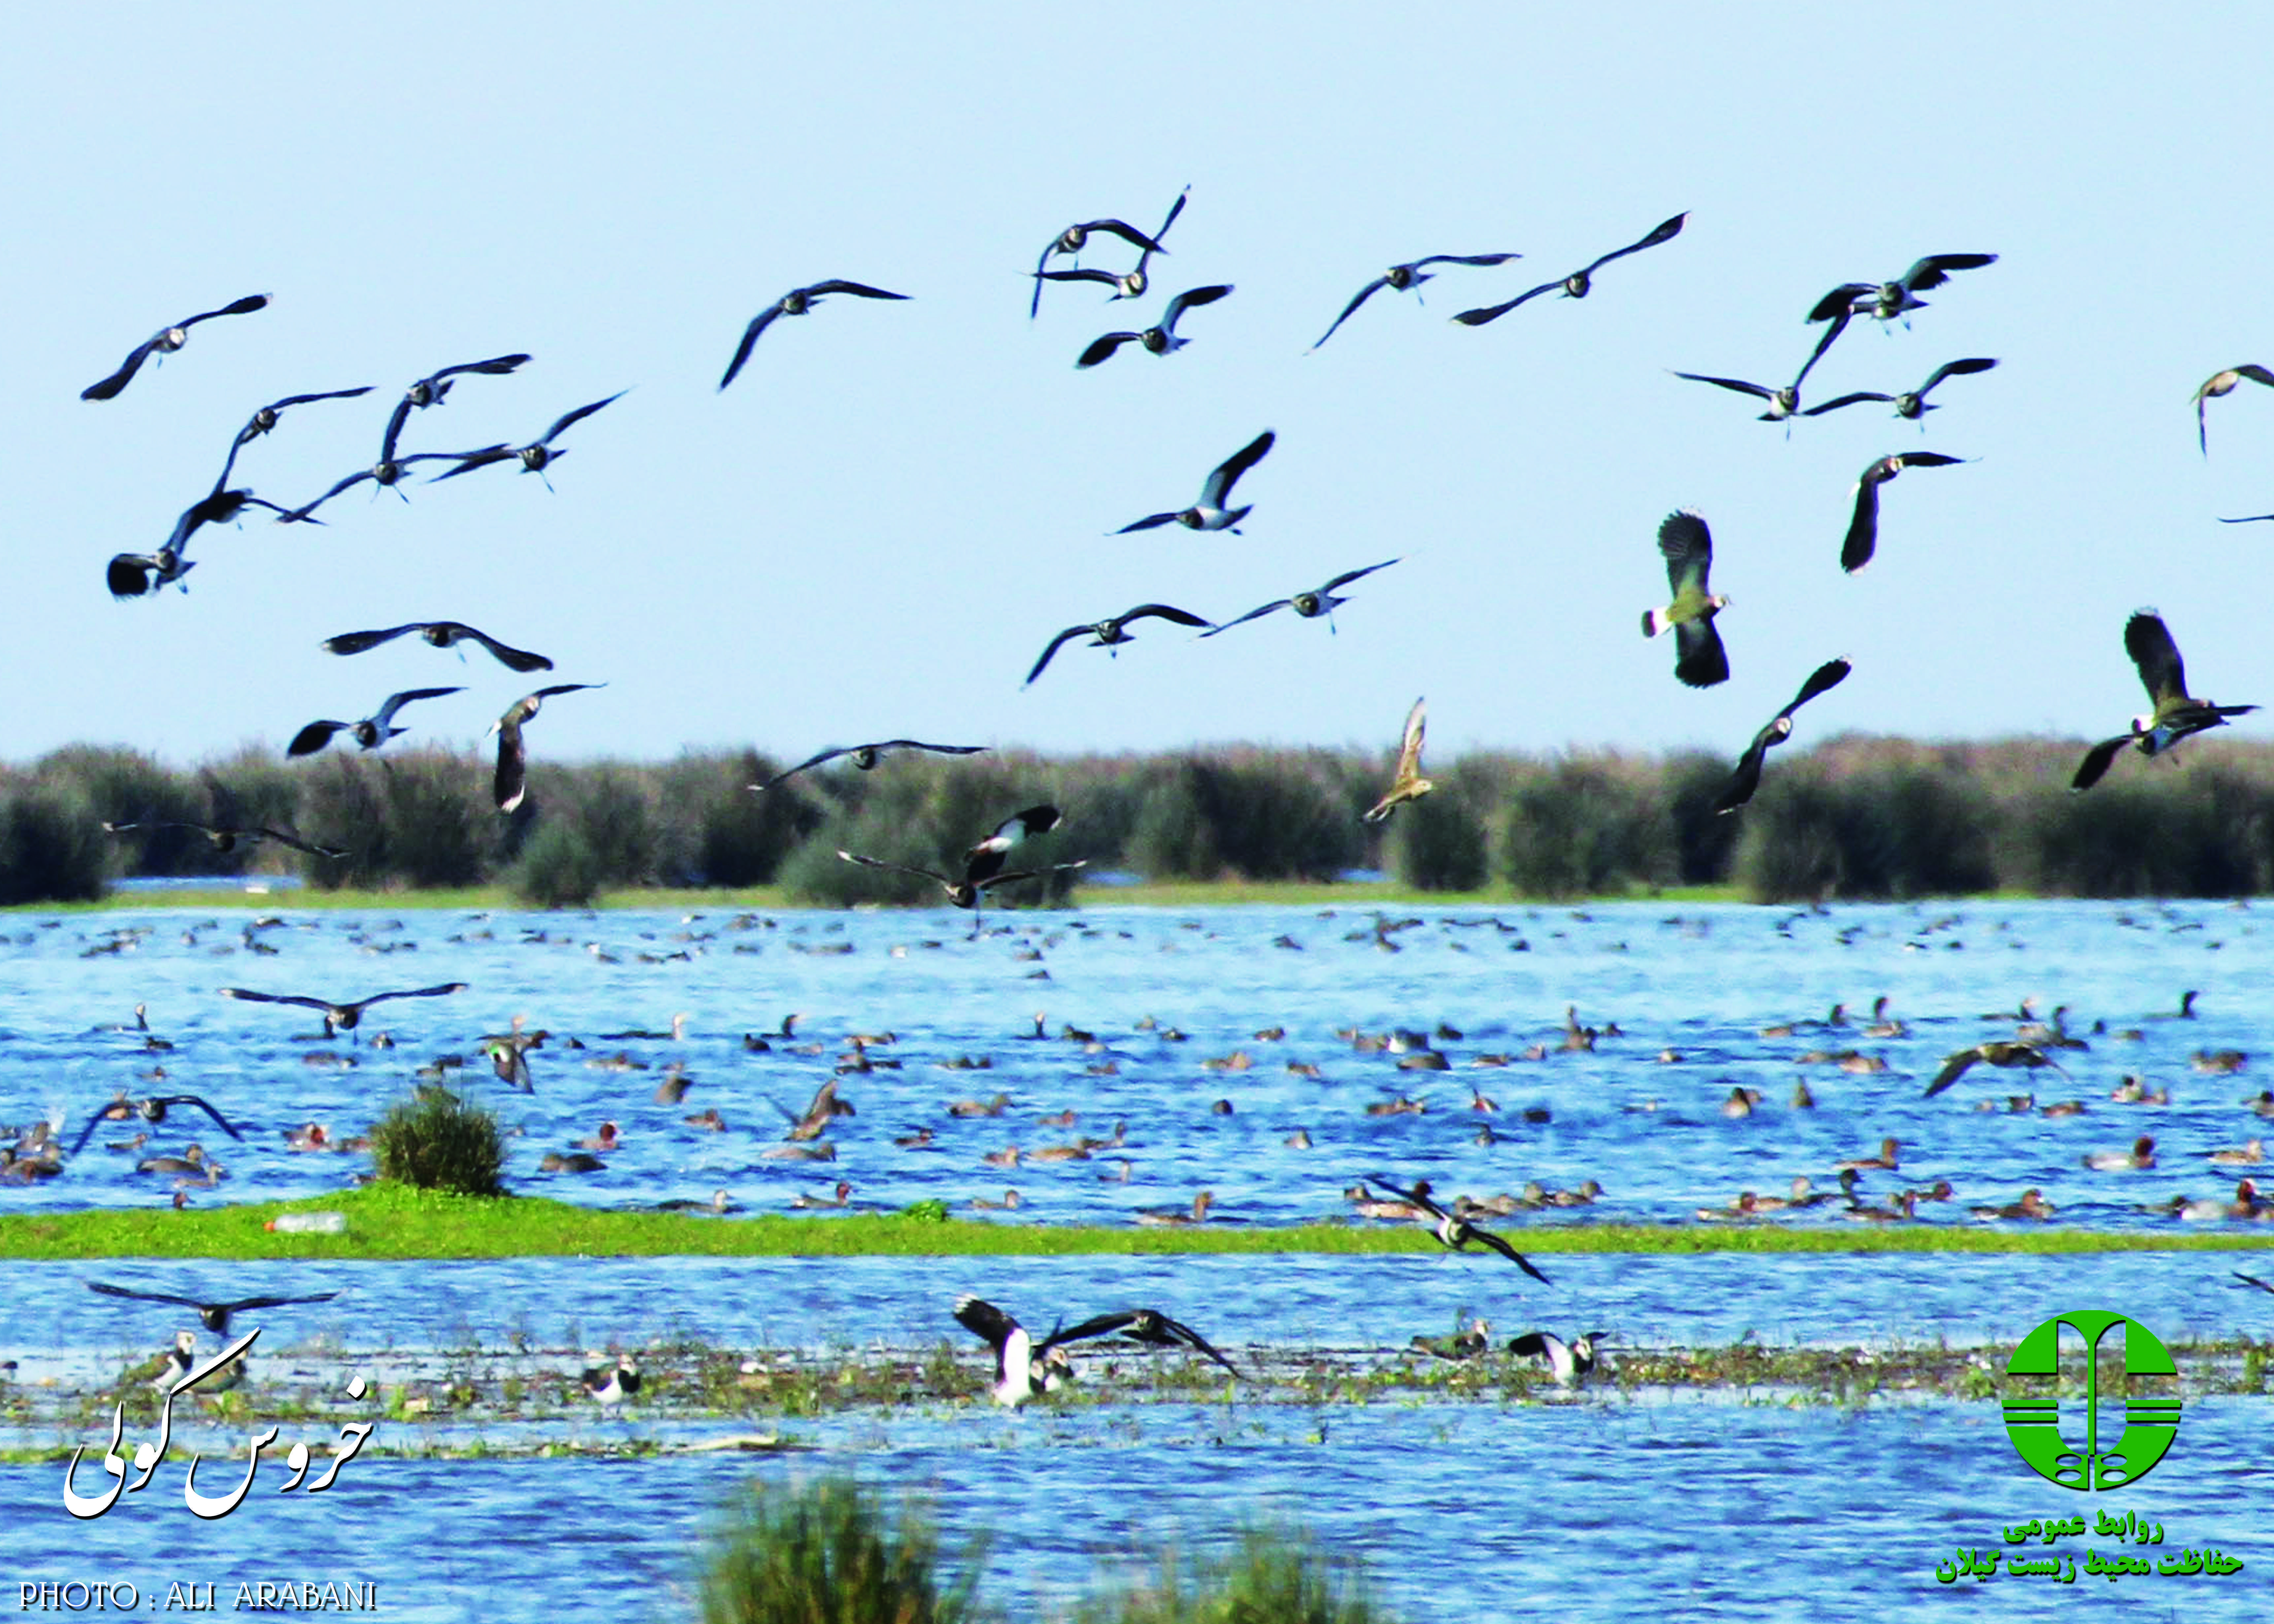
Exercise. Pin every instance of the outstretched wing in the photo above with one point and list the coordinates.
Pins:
(1342, 580)
(2149, 642)
(1506, 1250)
(577, 416)
(511, 658)
(810, 761)
(1862, 538)
(2096, 762)
(396, 702)
(1954, 1067)
(1841, 300)
(1687, 545)
(443, 991)
(878, 863)
(1957, 369)
(1493, 313)
(473, 460)
(220, 1121)
(1738, 384)
(1192, 298)
(1150, 522)
(1217, 488)
(314, 737)
(1252, 614)
(356, 642)
(1056, 643)
(1700, 659)
(1361, 298)
(142, 1297)
(1665, 230)
(759, 323)
(1934, 270)
(1160, 612)
(1104, 346)
(1826, 677)
(251, 996)
(1409, 753)
(1846, 400)
(858, 288)
(109, 387)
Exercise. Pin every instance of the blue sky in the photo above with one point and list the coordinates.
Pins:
(875, 531)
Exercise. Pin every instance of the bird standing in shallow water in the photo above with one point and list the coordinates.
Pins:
(1578, 284)
(2176, 715)
(1747, 778)
(1406, 783)
(797, 302)
(165, 342)
(1688, 547)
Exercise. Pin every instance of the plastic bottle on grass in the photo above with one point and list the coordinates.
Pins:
(309, 1223)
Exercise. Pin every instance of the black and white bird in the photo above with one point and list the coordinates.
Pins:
(2176, 714)
(1213, 511)
(1310, 605)
(1747, 778)
(1569, 1363)
(1456, 1234)
(1913, 403)
(1149, 1328)
(1687, 546)
(1025, 1368)
(213, 1316)
(538, 455)
(797, 302)
(370, 733)
(1578, 284)
(611, 1384)
(131, 574)
(165, 342)
(341, 1016)
(1110, 633)
(1409, 275)
(2224, 382)
(511, 782)
(1885, 301)
(266, 418)
(1162, 339)
(1125, 284)
(1863, 539)
(865, 756)
(228, 837)
(428, 391)
(442, 635)
(433, 389)
(983, 864)
(1783, 405)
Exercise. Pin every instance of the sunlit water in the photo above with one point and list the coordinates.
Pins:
(1600, 1508)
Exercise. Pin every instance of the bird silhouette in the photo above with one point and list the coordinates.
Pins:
(1863, 539)
(1162, 339)
(1747, 778)
(442, 635)
(536, 456)
(1913, 403)
(1885, 301)
(1406, 783)
(797, 302)
(1310, 605)
(1210, 513)
(345, 1016)
(215, 1316)
(865, 756)
(511, 781)
(1072, 240)
(2224, 382)
(1688, 547)
(165, 342)
(1109, 633)
(1409, 275)
(373, 732)
(1578, 284)
(2176, 714)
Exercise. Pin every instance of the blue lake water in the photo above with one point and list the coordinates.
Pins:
(1597, 1506)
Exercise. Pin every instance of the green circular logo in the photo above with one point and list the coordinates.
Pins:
(2150, 1421)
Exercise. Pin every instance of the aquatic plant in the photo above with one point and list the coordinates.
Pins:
(1279, 1574)
(435, 1140)
(827, 1552)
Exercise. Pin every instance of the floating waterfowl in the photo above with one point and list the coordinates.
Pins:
(1210, 512)
(370, 734)
(1409, 277)
(343, 1016)
(1455, 1234)
(1176, 1217)
(1158, 340)
(1110, 633)
(2176, 715)
(865, 756)
(536, 456)
(165, 342)
(1406, 783)
(1687, 546)
(1072, 240)
(1912, 405)
(2141, 1156)
(1885, 301)
(797, 302)
(442, 635)
(1747, 778)
(2224, 382)
(1310, 605)
(1578, 284)
(511, 782)
(1863, 539)
(215, 1316)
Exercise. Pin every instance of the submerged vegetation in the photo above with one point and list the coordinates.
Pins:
(1856, 817)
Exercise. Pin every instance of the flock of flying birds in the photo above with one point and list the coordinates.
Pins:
(1685, 542)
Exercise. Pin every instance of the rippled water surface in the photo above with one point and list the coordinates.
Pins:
(1601, 1505)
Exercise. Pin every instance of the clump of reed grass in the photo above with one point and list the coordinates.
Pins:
(1277, 1576)
(827, 1553)
(50, 848)
(558, 867)
(435, 1140)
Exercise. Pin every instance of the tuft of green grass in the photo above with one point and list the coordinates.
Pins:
(1278, 1575)
(827, 1553)
(435, 1140)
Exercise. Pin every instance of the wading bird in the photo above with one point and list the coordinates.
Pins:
(797, 302)
(1998, 1052)
(442, 635)
(1699, 660)
(1577, 284)
(1912, 405)
(611, 1384)
(1456, 1233)
(341, 1016)
(213, 1315)
(2176, 714)
(865, 756)
(373, 732)
(1109, 633)
(1863, 539)
(1409, 275)
(1406, 783)
(1024, 1367)
(1747, 778)
(165, 342)
(2223, 383)
(511, 780)
(1885, 301)
(1569, 1363)
(1150, 1327)
(1159, 340)
(1210, 512)
(1072, 240)
(1310, 605)
(536, 456)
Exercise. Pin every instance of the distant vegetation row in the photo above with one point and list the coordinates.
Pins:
(1857, 817)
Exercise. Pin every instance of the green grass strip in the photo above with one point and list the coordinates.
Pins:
(392, 1223)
